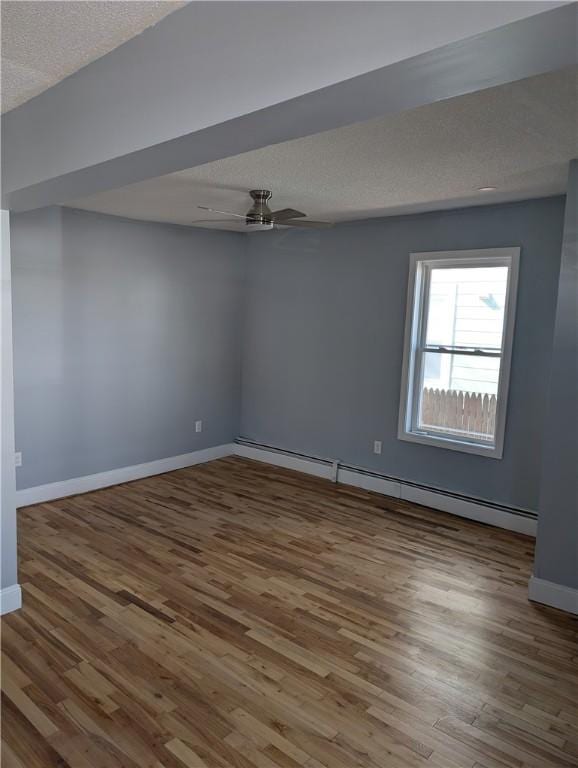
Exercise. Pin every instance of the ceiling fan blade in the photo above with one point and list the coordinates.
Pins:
(286, 213)
(216, 221)
(225, 213)
(305, 223)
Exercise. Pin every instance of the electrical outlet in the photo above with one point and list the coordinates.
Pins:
(18, 459)
(198, 426)
(377, 446)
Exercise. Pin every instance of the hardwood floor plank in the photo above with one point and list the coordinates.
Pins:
(237, 615)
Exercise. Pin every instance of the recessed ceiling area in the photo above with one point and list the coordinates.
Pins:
(44, 42)
(517, 138)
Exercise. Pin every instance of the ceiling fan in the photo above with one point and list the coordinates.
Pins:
(261, 217)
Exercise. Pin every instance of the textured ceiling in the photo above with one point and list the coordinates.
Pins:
(44, 42)
(518, 138)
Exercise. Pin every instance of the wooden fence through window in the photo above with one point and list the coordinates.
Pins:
(451, 410)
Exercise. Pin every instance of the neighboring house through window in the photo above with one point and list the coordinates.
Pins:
(458, 343)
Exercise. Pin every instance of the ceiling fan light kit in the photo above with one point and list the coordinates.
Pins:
(261, 218)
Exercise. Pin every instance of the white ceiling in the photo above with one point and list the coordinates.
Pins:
(517, 137)
(44, 42)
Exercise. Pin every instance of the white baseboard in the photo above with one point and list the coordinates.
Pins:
(10, 599)
(59, 490)
(472, 510)
(554, 595)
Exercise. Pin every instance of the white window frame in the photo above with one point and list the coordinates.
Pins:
(414, 343)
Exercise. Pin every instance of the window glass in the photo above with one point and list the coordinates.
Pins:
(461, 399)
(466, 306)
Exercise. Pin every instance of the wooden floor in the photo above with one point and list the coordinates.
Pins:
(234, 614)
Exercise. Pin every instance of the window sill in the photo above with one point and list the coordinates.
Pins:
(490, 451)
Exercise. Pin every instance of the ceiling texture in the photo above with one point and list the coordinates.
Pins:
(44, 42)
(517, 138)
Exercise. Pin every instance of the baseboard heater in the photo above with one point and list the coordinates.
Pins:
(482, 510)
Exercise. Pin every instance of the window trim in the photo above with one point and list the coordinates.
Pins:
(416, 312)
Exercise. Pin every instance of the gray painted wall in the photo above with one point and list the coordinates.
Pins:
(325, 313)
(8, 555)
(557, 543)
(125, 333)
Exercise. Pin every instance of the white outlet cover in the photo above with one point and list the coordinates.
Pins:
(198, 426)
(18, 459)
(377, 446)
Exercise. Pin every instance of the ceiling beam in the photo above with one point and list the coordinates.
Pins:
(542, 43)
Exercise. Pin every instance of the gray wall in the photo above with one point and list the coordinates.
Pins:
(557, 543)
(125, 333)
(8, 554)
(325, 313)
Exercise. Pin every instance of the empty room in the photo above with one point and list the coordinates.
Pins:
(289, 384)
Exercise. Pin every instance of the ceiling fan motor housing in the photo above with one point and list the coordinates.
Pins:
(259, 213)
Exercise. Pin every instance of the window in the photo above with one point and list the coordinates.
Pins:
(458, 343)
